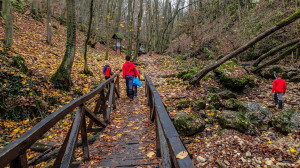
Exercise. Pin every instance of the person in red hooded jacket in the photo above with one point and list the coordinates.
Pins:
(129, 73)
(279, 87)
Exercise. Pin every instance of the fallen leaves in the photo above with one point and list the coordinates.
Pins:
(182, 155)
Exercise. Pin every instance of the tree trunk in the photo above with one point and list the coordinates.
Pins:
(216, 64)
(107, 29)
(8, 37)
(1, 6)
(86, 68)
(281, 56)
(62, 77)
(118, 17)
(49, 34)
(274, 50)
(129, 27)
(138, 28)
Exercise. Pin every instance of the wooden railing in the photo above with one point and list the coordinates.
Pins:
(168, 142)
(15, 152)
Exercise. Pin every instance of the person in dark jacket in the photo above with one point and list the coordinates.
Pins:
(279, 87)
(129, 73)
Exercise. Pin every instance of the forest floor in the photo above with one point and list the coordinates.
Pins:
(216, 146)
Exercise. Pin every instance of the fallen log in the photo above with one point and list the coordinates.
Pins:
(274, 50)
(195, 80)
(287, 52)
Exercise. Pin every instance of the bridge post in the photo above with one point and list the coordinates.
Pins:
(20, 161)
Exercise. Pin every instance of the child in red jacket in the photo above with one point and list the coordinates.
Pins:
(279, 86)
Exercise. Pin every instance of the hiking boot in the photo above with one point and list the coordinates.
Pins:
(280, 105)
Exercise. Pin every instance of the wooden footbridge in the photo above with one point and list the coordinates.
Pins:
(170, 152)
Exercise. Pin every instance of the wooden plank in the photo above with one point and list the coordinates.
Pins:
(20, 161)
(67, 158)
(110, 101)
(176, 146)
(62, 150)
(85, 145)
(12, 150)
(163, 146)
(117, 92)
(152, 111)
(94, 118)
(103, 102)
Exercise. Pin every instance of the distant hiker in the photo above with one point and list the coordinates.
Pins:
(135, 84)
(129, 73)
(279, 86)
(107, 70)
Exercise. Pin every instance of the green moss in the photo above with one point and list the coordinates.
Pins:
(188, 124)
(183, 104)
(227, 94)
(233, 104)
(61, 80)
(199, 104)
(20, 63)
(17, 6)
(291, 17)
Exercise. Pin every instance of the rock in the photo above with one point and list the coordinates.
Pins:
(199, 105)
(257, 113)
(243, 160)
(214, 100)
(269, 72)
(248, 154)
(221, 165)
(201, 159)
(188, 124)
(269, 162)
(287, 121)
(227, 94)
(233, 104)
(20, 63)
(226, 162)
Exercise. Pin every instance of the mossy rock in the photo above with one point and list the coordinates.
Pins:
(233, 104)
(211, 89)
(214, 100)
(199, 105)
(233, 120)
(187, 124)
(287, 121)
(183, 104)
(227, 94)
(258, 114)
(20, 63)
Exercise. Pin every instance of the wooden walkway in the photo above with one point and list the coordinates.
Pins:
(129, 138)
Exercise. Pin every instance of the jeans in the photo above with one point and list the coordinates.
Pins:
(278, 100)
(135, 90)
(129, 85)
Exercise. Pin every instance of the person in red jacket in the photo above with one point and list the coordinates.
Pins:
(129, 73)
(279, 87)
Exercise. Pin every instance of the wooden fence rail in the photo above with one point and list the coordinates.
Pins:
(168, 142)
(15, 152)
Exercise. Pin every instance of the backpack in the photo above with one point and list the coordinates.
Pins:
(107, 72)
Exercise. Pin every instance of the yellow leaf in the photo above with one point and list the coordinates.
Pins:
(150, 154)
(269, 142)
(50, 137)
(119, 135)
(293, 150)
(182, 155)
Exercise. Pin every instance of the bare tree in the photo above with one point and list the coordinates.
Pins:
(49, 34)
(138, 29)
(86, 68)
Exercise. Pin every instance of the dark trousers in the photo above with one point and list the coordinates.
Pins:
(129, 85)
(278, 100)
(135, 90)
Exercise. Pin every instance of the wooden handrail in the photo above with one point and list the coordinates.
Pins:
(168, 142)
(16, 150)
